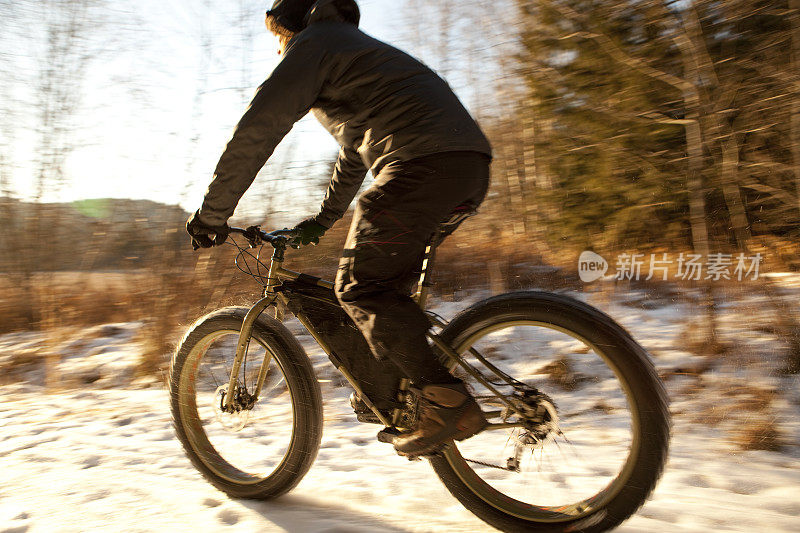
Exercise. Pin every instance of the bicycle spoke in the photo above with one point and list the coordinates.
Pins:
(541, 359)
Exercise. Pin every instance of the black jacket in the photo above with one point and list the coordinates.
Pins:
(380, 104)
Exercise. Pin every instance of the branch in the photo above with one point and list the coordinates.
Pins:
(661, 118)
(615, 52)
(772, 191)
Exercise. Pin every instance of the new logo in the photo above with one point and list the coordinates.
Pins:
(591, 266)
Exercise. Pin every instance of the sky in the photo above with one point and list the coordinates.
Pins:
(159, 107)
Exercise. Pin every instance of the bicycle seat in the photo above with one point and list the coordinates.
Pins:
(459, 214)
(461, 211)
(467, 207)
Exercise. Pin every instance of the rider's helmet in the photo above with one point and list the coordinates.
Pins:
(291, 15)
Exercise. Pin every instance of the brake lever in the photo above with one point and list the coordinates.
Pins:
(253, 236)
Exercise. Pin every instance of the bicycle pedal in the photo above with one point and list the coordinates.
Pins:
(435, 452)
(368, 418)
(388, 435)
(421, 456)
(364, 413)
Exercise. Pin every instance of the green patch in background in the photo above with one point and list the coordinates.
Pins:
(94, 208)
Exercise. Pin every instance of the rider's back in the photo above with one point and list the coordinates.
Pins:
(377, 99)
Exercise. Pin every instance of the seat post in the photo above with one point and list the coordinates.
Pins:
(421, 296)
(448, 226)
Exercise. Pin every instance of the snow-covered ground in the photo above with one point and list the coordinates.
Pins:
(103, 456)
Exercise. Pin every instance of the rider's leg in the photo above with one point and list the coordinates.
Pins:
(393, 221)
(391, 226)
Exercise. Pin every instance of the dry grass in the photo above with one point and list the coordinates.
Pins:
(603, 407)
(714, 414)
(49, 301)
(759, 435)
(752, 399)
(694, 338)
(61, 304)
(561, 373)
(694, 370)
(745, 412)
(17, 309)
(19, 363)
(157, 340)
(168, 294)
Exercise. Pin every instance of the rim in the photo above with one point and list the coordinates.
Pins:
(498, 488)
(246, 451)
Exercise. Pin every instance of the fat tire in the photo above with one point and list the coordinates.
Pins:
(305, 394)
(637, 370)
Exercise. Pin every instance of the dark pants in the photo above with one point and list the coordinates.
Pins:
(380, 264)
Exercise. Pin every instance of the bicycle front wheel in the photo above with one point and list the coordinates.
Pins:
(257, 447)
(593, 440)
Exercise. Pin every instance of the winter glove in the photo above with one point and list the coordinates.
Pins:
(201, 232)
(310, 231)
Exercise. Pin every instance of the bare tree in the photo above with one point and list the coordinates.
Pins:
(62, 69)
(794, 65)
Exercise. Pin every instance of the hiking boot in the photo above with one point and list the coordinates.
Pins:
(447, 411)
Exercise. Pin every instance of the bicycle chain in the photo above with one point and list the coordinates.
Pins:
(475, 461)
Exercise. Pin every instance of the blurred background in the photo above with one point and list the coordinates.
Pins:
(620, 127)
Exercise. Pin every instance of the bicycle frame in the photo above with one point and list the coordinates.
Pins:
(277, 274)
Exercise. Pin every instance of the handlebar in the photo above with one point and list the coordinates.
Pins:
(255, 236)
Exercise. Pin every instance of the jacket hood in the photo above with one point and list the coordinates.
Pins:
(334, 10)
(296, 15)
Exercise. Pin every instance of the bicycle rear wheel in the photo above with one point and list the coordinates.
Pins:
(601, 439)
(259, 448)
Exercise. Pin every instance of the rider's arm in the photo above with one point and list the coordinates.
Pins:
(348, 175)
(283, 99)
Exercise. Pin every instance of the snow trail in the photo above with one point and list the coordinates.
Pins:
(105, 458)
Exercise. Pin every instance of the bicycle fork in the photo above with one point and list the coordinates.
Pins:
(241, 350)
(269, 298)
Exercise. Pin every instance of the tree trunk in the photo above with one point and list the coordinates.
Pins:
(718, 99)
(694, 184)
(733, 196)
(516, 194)
(794, 5)
(696, 189)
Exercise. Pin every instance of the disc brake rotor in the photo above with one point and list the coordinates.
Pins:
(233, 419)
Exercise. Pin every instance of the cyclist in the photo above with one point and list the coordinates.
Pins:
(394, 116)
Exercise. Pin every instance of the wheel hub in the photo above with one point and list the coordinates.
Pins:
(539, 417)
(235, 416)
